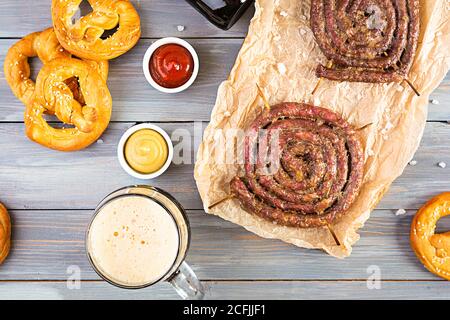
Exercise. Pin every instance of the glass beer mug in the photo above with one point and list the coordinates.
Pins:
(139, 236)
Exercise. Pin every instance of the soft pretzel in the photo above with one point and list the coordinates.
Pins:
(46, 47)
(16, 67)
(432, 249)
(83, 38)
(53, 95)
(5, 233)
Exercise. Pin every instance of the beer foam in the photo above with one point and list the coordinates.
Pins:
(133, 241)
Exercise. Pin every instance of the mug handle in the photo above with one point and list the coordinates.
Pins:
(186, 283)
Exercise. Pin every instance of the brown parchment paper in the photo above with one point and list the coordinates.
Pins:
(280, 54)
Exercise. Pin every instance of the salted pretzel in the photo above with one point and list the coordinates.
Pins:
(84, 37)
(46, 47)
(432, 249)
(53, 95)
(5, 233)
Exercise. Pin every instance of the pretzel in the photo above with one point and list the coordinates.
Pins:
(16, 67)
(5, 233)
(46, 47)
(432, 249)
(83, 38)
(53, 95)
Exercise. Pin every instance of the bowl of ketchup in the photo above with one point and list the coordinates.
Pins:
(170, 65)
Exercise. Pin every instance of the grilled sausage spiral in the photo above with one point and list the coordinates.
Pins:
(319, 167)
(366, 40)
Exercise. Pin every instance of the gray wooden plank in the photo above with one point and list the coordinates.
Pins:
(97, 290)
(159, 18)
(135, 100)
(34, 177)
(328, 290)
(439, 110)
(420, 182)
(46, 243)
(239, 290)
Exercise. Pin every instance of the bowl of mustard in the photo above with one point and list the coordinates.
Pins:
(145, 151)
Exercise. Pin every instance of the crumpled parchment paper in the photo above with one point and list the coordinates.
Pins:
(280, 54)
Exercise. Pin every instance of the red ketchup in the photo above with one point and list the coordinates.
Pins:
(171, 65)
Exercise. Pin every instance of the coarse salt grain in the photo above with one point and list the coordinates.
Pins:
(412, 163)
(388, 127)
(400, 212)
(100, 141)
(283, 13)
(180, 28)
(442, 164)
(281, 68)
(434, 101)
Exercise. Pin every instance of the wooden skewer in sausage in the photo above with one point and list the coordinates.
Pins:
(263, 97)
(229, 197)
(336, 239)
(329, 65)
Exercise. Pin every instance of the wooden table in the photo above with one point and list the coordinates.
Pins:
(51, 194)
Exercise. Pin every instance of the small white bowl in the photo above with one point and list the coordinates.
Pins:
(156, 45)
(121, 151)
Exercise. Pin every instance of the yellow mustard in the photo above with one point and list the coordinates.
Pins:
(146, 151)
